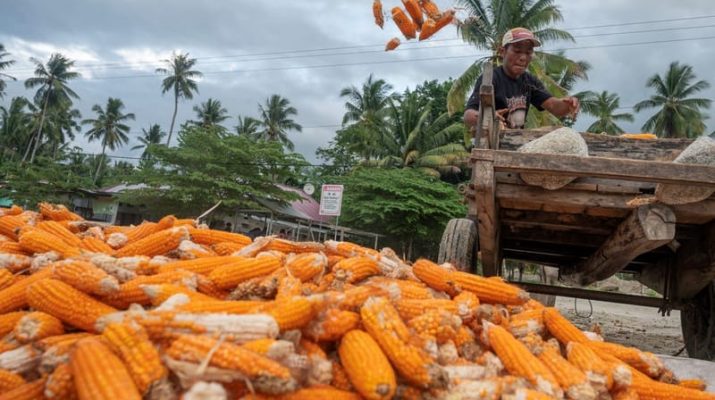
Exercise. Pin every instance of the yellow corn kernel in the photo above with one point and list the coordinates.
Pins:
(489, 290)
(66, 303)
(161, 292)
(27, 391)
(561, 328)
(60, 384)
(404, 23)
(226, 248)
(209, 237)
(340, 377)
(202, 266)
(437, 323)
(231, 274)
(266, 375)
(597, 370)
(99, 374)
(9, 380)
(10, 225)
(12, 247)
(347, 249)
(410, 309)
(133, 292)
(37, 325)
(434, 276)
(430, 9)
(290, 313)
(14, 297)
(519, 361)
(320, 392)
(648, 363)
(131, 342)
(697, 384)
(572, 380)
(221, 306)
(57, 212)
(94, 245)
(288, 286)
(383, 323)
(56, 229)
(649, 389)
(156, 244)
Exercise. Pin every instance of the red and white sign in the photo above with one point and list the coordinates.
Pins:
(331, 199)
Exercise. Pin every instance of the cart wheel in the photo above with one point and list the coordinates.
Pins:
(697, 319)
(459, 244)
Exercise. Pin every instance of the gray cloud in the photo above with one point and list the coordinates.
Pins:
(138, 32)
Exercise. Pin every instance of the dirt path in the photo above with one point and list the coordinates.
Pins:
(641, 327)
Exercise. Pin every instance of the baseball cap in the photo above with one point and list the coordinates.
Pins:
(518, 35)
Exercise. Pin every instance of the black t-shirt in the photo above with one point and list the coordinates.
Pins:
(513, 94)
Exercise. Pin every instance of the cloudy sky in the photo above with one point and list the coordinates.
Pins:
(307, 50)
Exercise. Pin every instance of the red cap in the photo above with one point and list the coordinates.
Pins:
(519, 35)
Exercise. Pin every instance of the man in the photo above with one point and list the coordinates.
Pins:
(515, 89)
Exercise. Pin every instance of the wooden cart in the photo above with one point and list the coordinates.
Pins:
(595, 227)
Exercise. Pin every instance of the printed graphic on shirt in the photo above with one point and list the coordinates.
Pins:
(517, 106)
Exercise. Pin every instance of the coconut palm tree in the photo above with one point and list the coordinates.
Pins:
(487, 23)
(52, 79)
(15, 123)
(108, 127)
(211, 114)
(431, 146)
(152, 136)
(276, 120)
(4, 64)
(247, 126)
(181, 80)
(680, 113)
(602, 106)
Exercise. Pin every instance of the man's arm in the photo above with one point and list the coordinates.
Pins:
(561, 107)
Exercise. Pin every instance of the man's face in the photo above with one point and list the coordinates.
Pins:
(516, 57)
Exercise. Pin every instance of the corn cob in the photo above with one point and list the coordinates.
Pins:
(226, 248)
(209, 237)
(66, 303)
(13, 210)
(430, 9)
(697, 384)
(437, 323)
(131, 342)
(57, 212)
(320, 392)
(189, 250)
(392, 44)
(347, 249)
(155, 244)
(133, 292)
(271, 348)
(415, 12)
(9, 320)
(14, 297)
(202, 266)
(619, 371)
(221, 306)
(27, 391)
(527, 322)
(10, 225)
(467, 303)
(570, 378)
(15, 262)
(266, 375)
(429, 28)
(489, 290)
(58, 353)
(288, 286)
(288, 246)
(561, 328)
(355, 269)
(625, 394)
(377, 13)
(519, 361)
(383, 323)
(9, 380)
(404, 23)
(84, 276)
(649, 389)
(410, 309)
(94, 245)
(331, 325)
(229, 275)
(435, 276)
(56, 229)
(60, 384)
(526, 394)
(236, 328)
(645, 362)
(39, 241)
(12, 247)
(306, 266)
(99, 374)
(37, 325)
(147, 228)
(290, 313)
(340, 377)
(591, 364)
(116, 240)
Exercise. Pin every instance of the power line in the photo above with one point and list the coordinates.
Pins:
(652, 21)
(118, 65)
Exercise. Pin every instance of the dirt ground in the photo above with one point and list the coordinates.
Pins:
(641, 327)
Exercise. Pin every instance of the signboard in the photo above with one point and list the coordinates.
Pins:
(331, 199)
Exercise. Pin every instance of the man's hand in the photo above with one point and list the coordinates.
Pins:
(562, 107)
(573, 106)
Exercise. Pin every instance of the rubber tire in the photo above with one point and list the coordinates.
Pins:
(697, 319)
(459, 244)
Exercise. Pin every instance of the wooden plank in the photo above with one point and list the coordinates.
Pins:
(593, 294)
(553, 221)
(647, 228)
(605, 145)
(614, 168)
(589, 183)
(535, 198)
(487, 216)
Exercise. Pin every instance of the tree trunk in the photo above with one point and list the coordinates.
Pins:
(38, 140)
(99, 165)
(173, 118)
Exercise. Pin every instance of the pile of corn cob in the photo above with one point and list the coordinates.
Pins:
(172, 310)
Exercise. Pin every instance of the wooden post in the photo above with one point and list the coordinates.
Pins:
(646, 228)
(487, 216)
